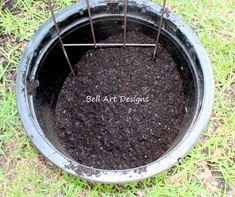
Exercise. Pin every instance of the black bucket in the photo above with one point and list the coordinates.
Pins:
(44, 64)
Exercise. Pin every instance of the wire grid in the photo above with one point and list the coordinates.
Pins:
(95, 44)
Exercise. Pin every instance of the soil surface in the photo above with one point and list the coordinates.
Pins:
(122, 110)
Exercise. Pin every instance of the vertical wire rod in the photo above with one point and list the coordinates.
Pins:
(159, 29)
(59, 36)
(125, 23)
(91, 22)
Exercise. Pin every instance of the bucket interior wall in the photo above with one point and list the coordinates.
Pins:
(53, 70)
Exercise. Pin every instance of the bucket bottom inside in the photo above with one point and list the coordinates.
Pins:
(122, 109)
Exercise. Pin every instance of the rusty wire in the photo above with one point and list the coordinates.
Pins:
(159, 29)
(91, 23)
(125, 23)
(110, 45)
(95, 44)
(60, 38)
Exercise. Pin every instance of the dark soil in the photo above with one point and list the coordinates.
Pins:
(117, 134)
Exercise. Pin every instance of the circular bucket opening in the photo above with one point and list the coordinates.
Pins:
(45, 77)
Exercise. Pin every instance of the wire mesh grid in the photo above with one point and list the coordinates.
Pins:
(95, 44)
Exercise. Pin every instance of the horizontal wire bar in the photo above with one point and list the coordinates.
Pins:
(109, 45)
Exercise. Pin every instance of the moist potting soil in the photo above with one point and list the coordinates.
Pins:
(122, 109)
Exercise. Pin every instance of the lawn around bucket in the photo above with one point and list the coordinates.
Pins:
(206, 170)
(121, 140)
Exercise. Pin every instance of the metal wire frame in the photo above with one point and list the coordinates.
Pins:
(110, 45)
(60, 38)
(159, 29)
(95, 44)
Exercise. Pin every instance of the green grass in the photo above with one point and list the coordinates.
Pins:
(209, 168)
